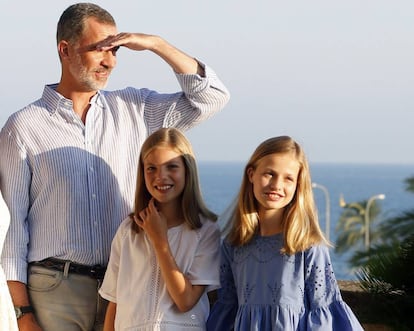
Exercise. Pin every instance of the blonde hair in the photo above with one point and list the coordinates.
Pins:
(192, 203)
(301, 227)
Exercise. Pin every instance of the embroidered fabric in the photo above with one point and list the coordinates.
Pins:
(133, 279)
(263, 289)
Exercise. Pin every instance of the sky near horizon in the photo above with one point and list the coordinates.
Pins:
(338, 76)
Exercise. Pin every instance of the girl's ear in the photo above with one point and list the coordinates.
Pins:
(250, 173)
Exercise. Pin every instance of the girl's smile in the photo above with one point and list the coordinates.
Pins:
(164, 172)
(274, 180)
(163, 188)
(273, 196)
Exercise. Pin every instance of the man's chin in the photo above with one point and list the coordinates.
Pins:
(95, 86)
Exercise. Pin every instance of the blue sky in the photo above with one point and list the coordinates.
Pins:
(338, 76)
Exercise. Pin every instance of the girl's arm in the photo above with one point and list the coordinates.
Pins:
(109, 324)
(184, 294)
(223, 312)
(326, 308)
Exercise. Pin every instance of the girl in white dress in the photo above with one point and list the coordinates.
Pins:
(7, 314)
(165, 256)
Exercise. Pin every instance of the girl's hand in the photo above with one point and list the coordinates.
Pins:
(182, 291)
(153, 223)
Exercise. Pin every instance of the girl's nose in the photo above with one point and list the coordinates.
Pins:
(276, 184)
(160, 174)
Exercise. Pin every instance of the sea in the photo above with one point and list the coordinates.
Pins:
(220, 182)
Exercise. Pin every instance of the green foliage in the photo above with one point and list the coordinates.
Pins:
(351, 230)
(399, 227)
(351, 226)
(389, 275)
(389, 268)
(409, 184)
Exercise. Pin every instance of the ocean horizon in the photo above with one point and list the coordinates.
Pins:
(220, 182)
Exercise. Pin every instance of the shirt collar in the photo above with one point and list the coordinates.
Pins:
(55, 101)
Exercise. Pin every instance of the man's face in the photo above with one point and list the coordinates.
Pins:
(89, 68)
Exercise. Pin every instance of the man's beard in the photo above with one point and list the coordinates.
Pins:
(87, 79)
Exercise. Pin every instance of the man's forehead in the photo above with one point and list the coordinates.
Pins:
(98, 31)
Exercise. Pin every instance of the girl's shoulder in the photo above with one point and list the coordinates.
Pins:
(317, 255)
(208, 224)
(125, 227)
(208, 230)
(126, 222)
(317, 249)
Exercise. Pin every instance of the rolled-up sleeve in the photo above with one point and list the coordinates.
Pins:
(15, 181)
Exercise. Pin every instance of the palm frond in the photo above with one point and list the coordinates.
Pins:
(388, 267)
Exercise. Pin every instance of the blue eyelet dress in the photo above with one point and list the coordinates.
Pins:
(263, 289)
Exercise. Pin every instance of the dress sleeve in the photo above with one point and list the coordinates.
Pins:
(205, 266)
(326, 309)
(224, 311)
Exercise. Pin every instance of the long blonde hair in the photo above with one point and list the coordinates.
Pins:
(300, 225)
(192, 203)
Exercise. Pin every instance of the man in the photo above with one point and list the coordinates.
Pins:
(69, 162)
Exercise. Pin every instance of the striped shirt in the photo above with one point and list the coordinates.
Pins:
(69, 185)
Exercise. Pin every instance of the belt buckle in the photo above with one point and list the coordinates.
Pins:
(97, 271)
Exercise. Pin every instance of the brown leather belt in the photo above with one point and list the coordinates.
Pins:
(96, 271)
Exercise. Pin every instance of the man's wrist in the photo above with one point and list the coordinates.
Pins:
(23, 310)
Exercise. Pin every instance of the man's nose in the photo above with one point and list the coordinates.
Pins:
(109, 59)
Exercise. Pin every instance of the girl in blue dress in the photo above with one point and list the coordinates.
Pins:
(276, 272)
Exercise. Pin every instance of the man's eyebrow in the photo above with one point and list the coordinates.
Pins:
(93, 47)
(88, 48)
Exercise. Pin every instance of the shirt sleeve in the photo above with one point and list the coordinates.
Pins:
(15, 175)
(204, 269)
(224, 310)
(325, 307)
(200, 98)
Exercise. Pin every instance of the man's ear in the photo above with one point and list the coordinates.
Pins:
(63, 49)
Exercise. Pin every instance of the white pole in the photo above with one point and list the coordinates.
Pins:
(327, 208)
